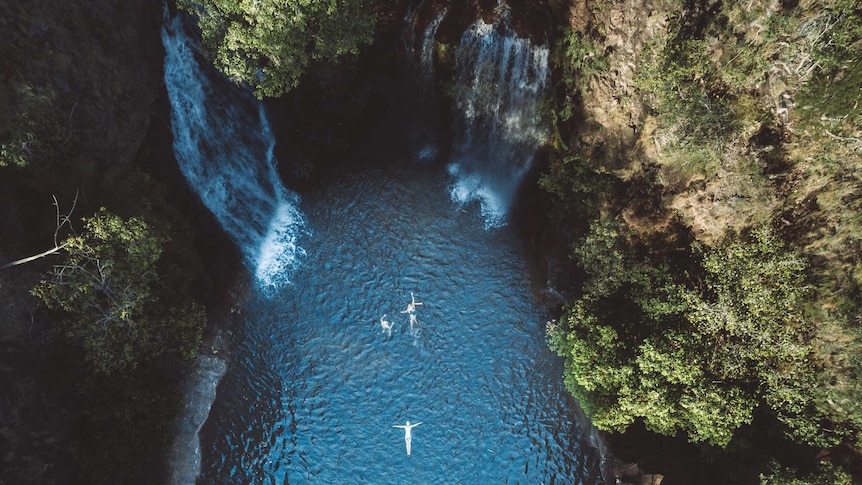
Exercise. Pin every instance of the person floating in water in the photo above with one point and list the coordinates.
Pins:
(411, 309)
(407, 436)
(387, 326)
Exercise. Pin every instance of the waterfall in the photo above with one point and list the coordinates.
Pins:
(501, 81)
(426, 55)
(422, 122)
(411, 17)
(224, 147)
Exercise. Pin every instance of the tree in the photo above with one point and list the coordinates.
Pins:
(267, 44)
(825, 474)
(751, 315)
(694, 356)
(23, 112)
(105, 288)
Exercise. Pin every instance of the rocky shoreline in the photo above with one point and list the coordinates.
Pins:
(184, 461)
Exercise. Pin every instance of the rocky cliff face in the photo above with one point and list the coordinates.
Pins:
(613, 113)
(96, 66)
(79, 83)
(80, 79)
(77, 95)
(620, 132)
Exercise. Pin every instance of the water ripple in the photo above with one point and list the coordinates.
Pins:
(316, 386)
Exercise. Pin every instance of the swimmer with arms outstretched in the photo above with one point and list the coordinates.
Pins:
(411, 309)
(407, 436)
(387, 326)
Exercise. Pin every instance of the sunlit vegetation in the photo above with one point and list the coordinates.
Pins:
(824, 474)
(20, 103)
(107, 289)
(268, 44)
(722, 268)
(685, 352)
(576, 61)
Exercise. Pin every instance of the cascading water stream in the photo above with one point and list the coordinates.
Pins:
(501, 79)
(426, 55)
(411, 17)
(314, 387)
(419, 52)
(224, 147)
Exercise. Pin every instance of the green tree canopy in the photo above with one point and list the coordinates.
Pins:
(105, 288)
(690, 356)
(267, 44)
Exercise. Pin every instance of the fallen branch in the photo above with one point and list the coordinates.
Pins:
(62, 220)
(37, 256)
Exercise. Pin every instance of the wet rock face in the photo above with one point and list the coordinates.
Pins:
(534, 19)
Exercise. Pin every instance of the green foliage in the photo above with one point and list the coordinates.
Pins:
(601, 255)
(825, 474)
(577, 60)
(628, 354)
(20, 106)
(707, 75)
(15, 151)
(838, 33)
(686, 161)
(831, 100)
(689, 93)
(582, 345)
(267, 44)
(696, 356)
(574, 183)
(756, 311)
(105, 289)
(829, 116)
(755, 290)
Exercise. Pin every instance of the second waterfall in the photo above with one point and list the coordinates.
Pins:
(501, 81)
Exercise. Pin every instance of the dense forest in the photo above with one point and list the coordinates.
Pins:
(704, 222)
(717, 200)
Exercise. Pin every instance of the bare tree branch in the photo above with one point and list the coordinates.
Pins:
(61, 221)
(34, 257)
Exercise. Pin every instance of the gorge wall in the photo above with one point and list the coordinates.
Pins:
(81, 96)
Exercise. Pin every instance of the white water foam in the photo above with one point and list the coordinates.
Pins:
(502, 79)
(224, 147)
(471, 187)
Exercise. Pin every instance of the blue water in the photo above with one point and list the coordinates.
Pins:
(315, 386)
